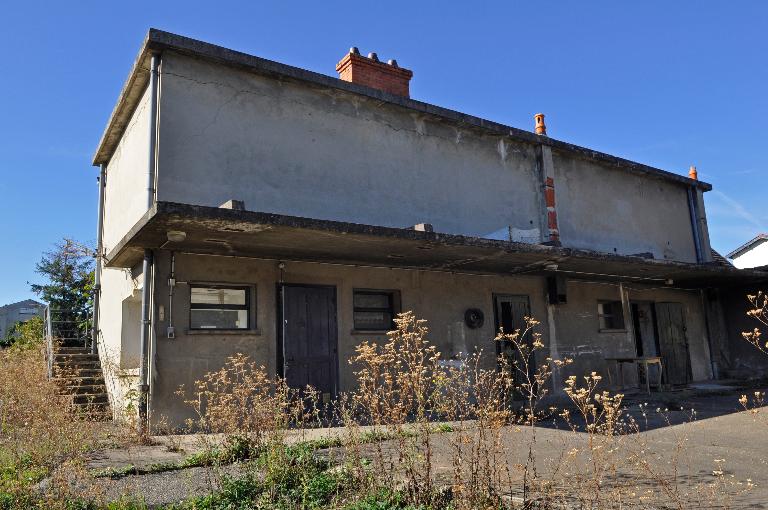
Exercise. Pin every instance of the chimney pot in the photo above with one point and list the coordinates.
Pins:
(541, 128)
(370, 72)
(693, 174)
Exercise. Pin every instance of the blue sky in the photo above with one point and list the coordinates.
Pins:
(668, 84)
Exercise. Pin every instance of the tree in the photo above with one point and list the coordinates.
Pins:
(68, 270)
(24, 334)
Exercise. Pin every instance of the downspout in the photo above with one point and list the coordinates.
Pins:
(146, 313)
(153, 82)
(695, 226)
(99, 250)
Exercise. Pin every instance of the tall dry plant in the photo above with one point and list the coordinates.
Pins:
(493, 408)
(759, 312)
(396, 390)
(241, 400)
(41, 432)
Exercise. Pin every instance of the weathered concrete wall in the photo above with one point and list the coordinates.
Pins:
(608, 210)
(440, 298)
(119, 339)
(125, 198)
(579, 336)
(746, 361)
(291, 149)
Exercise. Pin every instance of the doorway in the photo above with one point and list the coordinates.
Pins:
(308, 342)
(510, 314)
(645, 329)
(673, 343)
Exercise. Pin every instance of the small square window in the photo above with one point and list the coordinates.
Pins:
(217, 307)
(611, 314)
(374, 310)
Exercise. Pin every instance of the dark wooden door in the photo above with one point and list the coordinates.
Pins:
(309, 337)
(673, 343)
(511, 312)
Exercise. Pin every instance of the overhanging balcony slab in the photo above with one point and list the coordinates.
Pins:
(227, 232)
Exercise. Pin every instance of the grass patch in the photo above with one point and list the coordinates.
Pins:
(285, 477)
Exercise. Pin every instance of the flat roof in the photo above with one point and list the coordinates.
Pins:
(227, 232)
(158, 41)
(758, 239)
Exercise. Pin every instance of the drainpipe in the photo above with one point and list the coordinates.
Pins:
(153, 82)
(146, 313)
(145, 331)
(695, 225)
(99, 250)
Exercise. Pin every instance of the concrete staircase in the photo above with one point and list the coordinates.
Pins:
(78, 373)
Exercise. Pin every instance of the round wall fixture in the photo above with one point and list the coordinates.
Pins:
(474, 318)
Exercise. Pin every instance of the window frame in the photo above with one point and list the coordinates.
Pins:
(601, 316)
(205, 306)
(393, 296)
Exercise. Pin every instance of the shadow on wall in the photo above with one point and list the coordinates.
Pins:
(746, 361)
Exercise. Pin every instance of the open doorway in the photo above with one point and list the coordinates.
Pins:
(510, 314)
(659, 330)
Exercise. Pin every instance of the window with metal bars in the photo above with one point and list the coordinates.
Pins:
(374, 310)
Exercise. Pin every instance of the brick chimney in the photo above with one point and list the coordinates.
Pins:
(369, 71)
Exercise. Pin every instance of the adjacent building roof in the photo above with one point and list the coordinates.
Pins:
(157, 41)
(719, 259)
(758, 239)
(25, 302)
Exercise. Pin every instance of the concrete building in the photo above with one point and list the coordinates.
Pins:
(752, 254)
(248, 206)
(20, 311)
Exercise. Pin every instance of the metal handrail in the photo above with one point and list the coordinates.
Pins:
(48, 342)
(66, 331)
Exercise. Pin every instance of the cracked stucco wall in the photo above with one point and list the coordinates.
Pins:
(125, 195)
(292, 149)
(618, 212)
(440, 298)
(301, 150)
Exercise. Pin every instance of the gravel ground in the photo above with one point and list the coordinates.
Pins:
(157, 489)
(719, 432)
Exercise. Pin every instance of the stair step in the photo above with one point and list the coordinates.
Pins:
(75, 373)
(90, 399)
(71, 350)
(95, 413)
(75, 356)
(69, 382)
(86, 389)
(78, 364)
